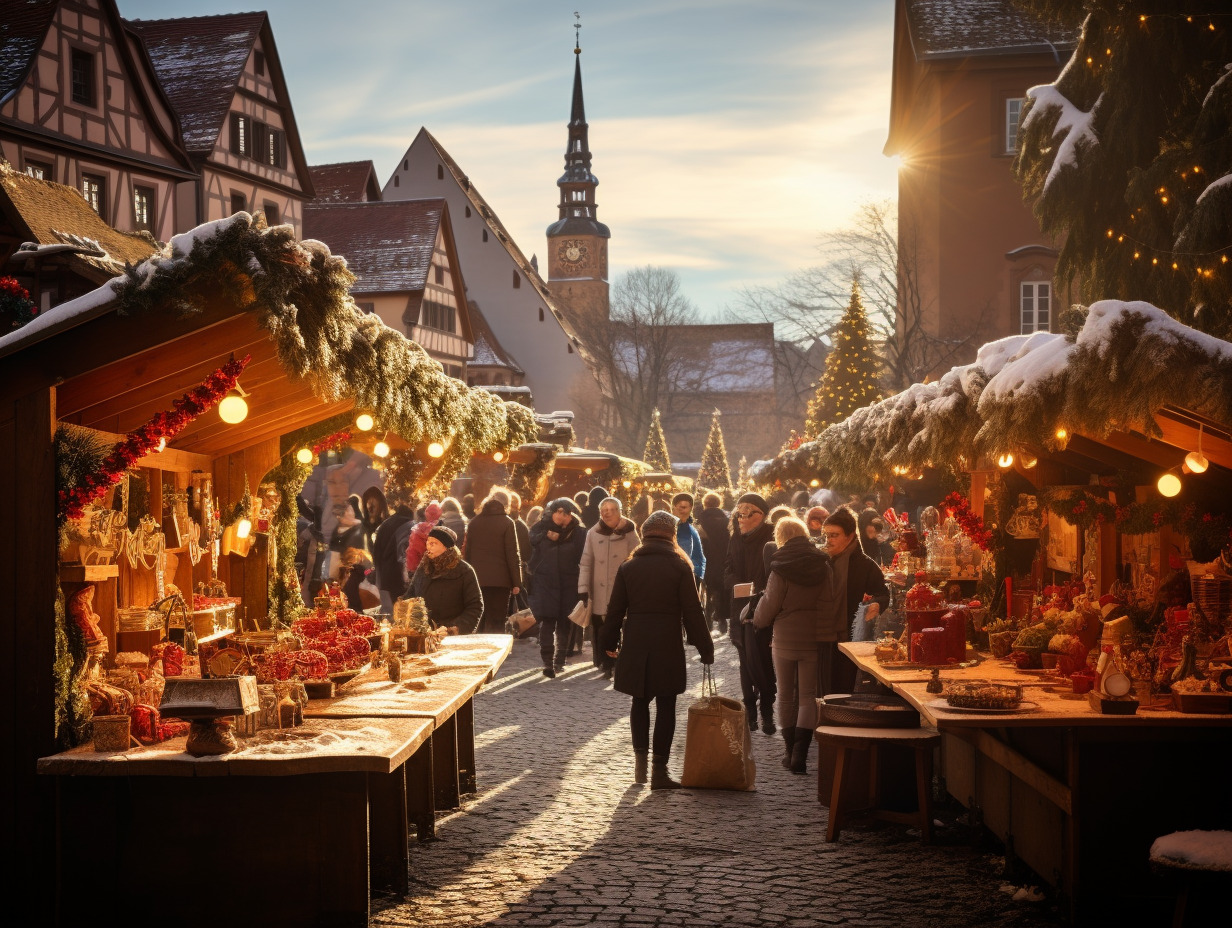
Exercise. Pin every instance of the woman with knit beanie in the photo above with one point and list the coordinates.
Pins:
(654, 596)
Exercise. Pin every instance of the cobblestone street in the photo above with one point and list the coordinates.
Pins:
(559, 834)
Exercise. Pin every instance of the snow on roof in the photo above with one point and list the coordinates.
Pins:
(99, 302)
(345, 182)
(22, 28)
(946, 28)
(387, 244)
(1043, 357)
(1103, 316)
(198, 61)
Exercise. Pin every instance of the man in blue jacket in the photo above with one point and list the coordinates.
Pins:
(686, 535)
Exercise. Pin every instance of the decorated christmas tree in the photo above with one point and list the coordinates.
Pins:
(656, 447)
(742, 474)
(1126, 158)
(849, 381)
(715, 472)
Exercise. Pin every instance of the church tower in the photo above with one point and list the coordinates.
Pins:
(577, 241)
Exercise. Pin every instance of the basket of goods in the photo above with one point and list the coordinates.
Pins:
(1032, 641)
(983, 694)
(1001, 634)
(866, 711)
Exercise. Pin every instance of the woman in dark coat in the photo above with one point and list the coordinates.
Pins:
(855, 576)
(492, 549)
(556, 541)
(447, 584)
(870, 526)
(653, 597)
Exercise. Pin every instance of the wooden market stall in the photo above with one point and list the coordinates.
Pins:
(107, 365)
(1095, 468)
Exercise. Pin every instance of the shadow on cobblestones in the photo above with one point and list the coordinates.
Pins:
(559, 835)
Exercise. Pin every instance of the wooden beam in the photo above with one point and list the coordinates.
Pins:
(1184, 435)
(169, 459)
(1152, 452)
(1007, 758)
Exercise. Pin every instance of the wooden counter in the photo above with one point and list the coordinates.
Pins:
(1076, 795)
(306, 822)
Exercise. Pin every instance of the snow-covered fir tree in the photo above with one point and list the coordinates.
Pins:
(656, 446)
(849, 381)
(715, 472)
(1128, 156)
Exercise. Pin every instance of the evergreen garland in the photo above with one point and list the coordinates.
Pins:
(301, 295)
(1126, 157)
(656, 446)
(286, 602)
(530, 480)
(403, 469)
(715, 472)
(72, 703)
(852, 370)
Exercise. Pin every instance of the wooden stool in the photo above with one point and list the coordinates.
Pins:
(845, 740)
(1194, 858)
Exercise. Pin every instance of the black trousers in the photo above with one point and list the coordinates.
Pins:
(664, 727)
(554, 640)
(495, 609)
(718, 602)
(597, 655)
(757, 680)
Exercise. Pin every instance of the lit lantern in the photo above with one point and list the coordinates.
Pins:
(233, 409)
(243, 529)
(436, 449)
(1169, 485)
(381, 449)
(626, 484)
(1029, 461)
(364, 422)
(589, 472)
(1196, 461)
(498, 456)
(814, 483)
(304, 455)
(1005, 461)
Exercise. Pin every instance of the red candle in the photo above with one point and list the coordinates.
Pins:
(955, 625)
(934, 645)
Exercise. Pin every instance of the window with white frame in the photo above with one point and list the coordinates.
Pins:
(1035, 300)
(1013, 112)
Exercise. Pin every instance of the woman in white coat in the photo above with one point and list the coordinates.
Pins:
(609, 543)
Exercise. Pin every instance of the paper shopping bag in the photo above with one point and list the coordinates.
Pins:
(718, 753)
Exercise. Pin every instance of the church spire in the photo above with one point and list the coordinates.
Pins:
(577, 185)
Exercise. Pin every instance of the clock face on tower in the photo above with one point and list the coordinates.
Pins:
(573, 252)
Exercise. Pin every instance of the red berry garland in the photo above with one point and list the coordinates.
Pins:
(971, 524)
(333, 441)
(142, 440)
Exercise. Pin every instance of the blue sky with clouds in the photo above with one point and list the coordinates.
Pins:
(727, 134)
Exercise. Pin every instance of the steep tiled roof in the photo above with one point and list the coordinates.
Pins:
(199, 61)
(23, 24)
(54, 215)
(388, 245)
(954, 28)
(345, 182)
(488, 351)
(493, 222)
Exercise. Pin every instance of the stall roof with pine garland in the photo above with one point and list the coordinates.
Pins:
(1125, 362)
(300, 294)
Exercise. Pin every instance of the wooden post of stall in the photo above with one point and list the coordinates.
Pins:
(247, 577)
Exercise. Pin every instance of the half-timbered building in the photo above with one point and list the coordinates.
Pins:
(224, 79)
(80, 105)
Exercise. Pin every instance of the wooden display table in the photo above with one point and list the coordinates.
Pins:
(1076, 795)
(296, 827)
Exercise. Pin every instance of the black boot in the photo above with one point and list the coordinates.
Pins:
(767, 720)
(751, 712)
(799, 752)
(789, 738)
(548, 671)
(659, 777)
(639, 767)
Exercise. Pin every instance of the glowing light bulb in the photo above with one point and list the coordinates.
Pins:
(243, 529)
(1062, 435)
(1029, 461)
(498, 456)
(304, 455)
(381, 449)
(814, 482)
(626, 483)
(364, 422)
(436, 449)
(1006, 460)
(1169, 485)
(233, 409)
(1196, 461)
(589, 472)
(162, 444)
